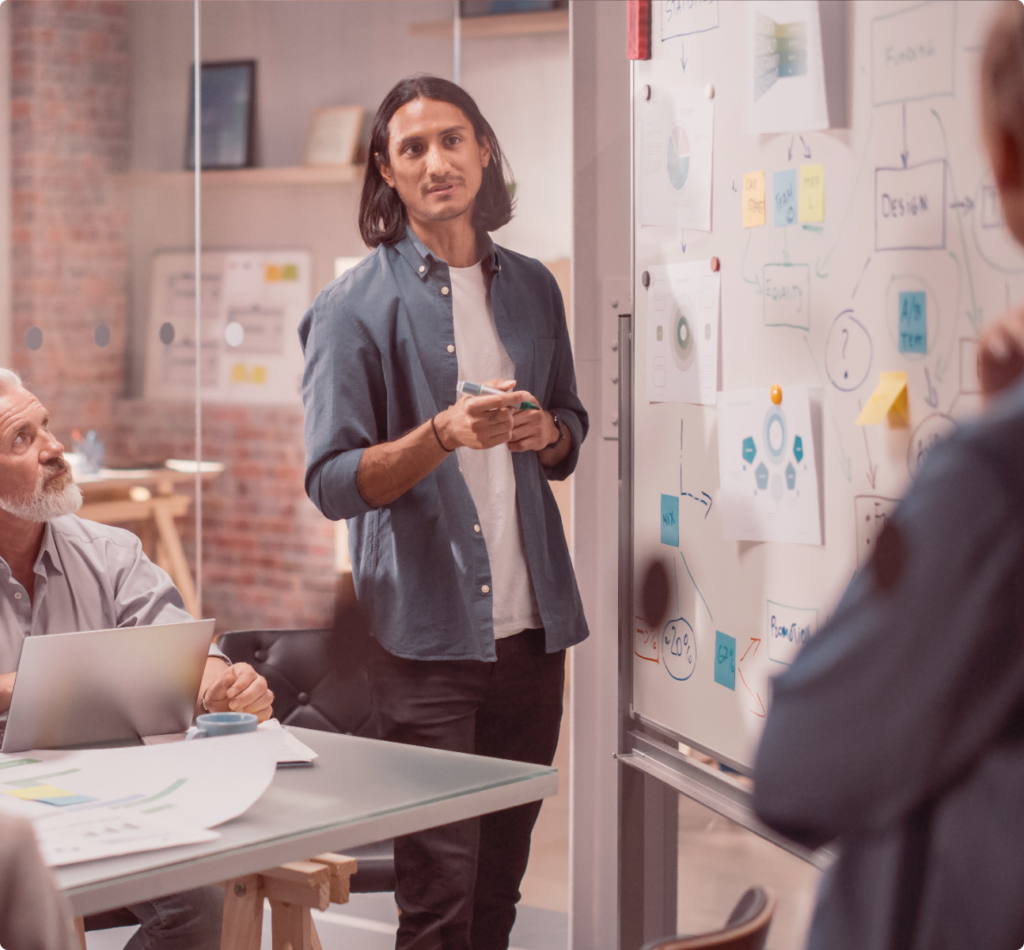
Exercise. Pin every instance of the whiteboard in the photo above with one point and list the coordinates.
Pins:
(251, 305)
(910, 135)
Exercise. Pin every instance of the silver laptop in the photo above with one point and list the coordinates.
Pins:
(106, 686)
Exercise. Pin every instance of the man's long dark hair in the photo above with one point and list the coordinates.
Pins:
(382, 215)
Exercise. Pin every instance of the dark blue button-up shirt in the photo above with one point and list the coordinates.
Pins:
(379, 344)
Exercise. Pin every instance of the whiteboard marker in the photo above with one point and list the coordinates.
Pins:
(478, 389)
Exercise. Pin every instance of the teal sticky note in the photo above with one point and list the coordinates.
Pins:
(725, 660)
(670, 520)
(913, 321)
(785, 197)
(66, 800)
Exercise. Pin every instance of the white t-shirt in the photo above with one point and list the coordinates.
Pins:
(488, 472)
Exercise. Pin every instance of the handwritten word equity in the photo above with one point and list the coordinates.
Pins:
(909, 54)
(790, 292)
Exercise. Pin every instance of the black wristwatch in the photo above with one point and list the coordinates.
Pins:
(561, 431)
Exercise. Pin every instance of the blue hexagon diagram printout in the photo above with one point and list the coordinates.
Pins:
(770, 485)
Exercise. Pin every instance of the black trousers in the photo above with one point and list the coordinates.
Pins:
(458, 885)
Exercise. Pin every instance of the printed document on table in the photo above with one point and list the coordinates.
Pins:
(682, 333)
(783, 67)
(676, 159)
(768, 467)
(189, 786)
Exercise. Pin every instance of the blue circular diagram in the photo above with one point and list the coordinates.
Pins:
(775, 435)
(679, 649)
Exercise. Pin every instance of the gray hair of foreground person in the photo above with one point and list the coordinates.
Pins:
(9, 380)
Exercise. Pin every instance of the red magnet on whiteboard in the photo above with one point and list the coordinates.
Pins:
(777, 395)
(714, 264)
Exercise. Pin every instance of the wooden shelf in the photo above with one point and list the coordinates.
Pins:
(297, 175)
(504, 24)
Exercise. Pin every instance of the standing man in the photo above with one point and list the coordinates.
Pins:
(458, 552)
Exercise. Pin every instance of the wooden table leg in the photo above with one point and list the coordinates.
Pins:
(170, 541)
(293, 889)
(80, 931)
(242, 928)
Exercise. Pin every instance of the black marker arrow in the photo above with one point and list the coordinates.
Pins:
(791, 141)
(905, 154)
(966, 204)
(807, 149)
(933, 396)
(872, 469)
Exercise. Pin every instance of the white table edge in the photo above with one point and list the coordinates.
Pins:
(219, 866)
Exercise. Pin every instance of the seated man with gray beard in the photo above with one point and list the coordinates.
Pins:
(60, 574)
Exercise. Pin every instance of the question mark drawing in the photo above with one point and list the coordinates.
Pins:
(846, 339)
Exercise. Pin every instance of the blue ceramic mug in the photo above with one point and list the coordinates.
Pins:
(223, 724)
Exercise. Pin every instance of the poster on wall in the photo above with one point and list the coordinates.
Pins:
(676, 159)
(783, 67)
(251, 304)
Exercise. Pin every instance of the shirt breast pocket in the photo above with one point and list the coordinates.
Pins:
(543, 357)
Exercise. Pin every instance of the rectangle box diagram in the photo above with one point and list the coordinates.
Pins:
(683, 17)
(912, 53)
(991, 208)
(787, 296)
(970, 383)
(789, 628)
(871, 513)
(910, 207)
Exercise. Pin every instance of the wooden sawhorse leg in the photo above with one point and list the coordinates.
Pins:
(293, 891)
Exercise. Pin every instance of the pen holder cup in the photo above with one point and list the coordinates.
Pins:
(223, 724)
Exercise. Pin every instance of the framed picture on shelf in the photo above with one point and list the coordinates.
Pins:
(228, 107)
(333, 136)
(475, 8)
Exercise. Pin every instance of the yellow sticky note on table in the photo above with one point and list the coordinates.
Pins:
(812, 194)
(753, 200)
(38, 791)
(889, 400)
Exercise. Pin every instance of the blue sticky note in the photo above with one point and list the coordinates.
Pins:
(670, 520)
(913, 321)
(725, 660)
(67, 800)
(785, 197)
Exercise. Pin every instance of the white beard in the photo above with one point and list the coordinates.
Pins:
(45, 504)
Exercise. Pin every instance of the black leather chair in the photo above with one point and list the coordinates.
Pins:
(314, 690)
(746, 928)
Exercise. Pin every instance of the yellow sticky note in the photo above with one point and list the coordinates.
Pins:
(271, 273)
(753, 200)
(812, 194)
(38, 791)
(889, 400)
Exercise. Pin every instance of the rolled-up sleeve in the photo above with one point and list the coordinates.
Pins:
(564, 399)
(342, 390)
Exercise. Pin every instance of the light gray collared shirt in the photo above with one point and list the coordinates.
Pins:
(89, 576)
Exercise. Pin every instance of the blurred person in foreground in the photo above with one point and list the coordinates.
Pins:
(898, 733)
(62, 574)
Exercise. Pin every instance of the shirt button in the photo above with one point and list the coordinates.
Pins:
(451, 347)
(444, 291)
(476, 528)
(422, 268)
(485, 589)
(17, 595)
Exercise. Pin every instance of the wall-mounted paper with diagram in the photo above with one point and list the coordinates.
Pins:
(768, 471)
(682, 333)
(676, 159)
(783, 67)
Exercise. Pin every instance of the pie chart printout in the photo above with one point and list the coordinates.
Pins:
(678, 157)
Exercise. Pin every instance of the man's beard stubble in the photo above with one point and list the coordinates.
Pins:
(46, 502)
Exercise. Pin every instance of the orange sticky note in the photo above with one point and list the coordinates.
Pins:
(888, 401)
(753, 200)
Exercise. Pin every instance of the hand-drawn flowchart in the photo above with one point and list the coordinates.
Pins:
(847, 255)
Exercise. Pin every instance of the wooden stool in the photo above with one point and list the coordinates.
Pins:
(293, 890)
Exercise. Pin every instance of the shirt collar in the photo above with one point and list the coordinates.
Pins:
(421, 259)
(47, 551)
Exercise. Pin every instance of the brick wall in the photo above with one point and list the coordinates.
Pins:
(268, 554)
(69, 133)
